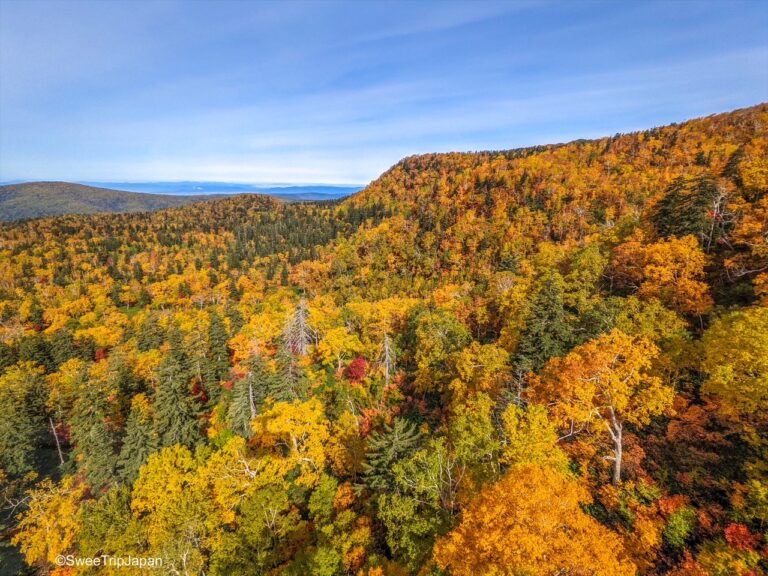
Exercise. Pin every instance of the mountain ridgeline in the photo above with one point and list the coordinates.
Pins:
(37, 199)
(41, 199)
(550, 360)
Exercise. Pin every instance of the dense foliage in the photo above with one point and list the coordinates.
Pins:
(542, 361)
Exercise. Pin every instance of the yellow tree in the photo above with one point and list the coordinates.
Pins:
(480, 368)
(530, 438)
(51, 524)
(299, 433)
(337, 345)
(531, 522)
(735, 360)
(175, 509)
(671, 270)
(601, 386)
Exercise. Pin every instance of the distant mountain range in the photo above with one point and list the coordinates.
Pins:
(35, 199)
(291, 191)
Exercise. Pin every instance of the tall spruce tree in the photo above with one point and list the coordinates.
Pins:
(175, 411)
(93, 439)
(291, 382)
(217, 365)
(86, 348)
(386, 448)
(248, 396)
(22, 417)
(236, 320)
(139, 440)
(35, 348)
(97, 447)
(8, 356)
(150, 334)
(62, 346)
(547, 332)
(124, 381)
(691, 207)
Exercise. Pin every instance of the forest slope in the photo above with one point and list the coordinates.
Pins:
(35, 199)
(467, 216)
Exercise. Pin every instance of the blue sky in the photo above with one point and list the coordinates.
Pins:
(335, 92)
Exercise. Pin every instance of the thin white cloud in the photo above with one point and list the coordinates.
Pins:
(340, 109)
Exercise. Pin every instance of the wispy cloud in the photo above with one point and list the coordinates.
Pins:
(337, 92)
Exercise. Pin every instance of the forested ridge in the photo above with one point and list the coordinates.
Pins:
(35, 199)
(544, 361)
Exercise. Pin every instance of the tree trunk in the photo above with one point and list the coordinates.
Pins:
(56, 438)
(251, 401)
(617, 453)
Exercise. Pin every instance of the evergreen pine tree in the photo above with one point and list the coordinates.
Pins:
(34, 348)
(234, 292)
(547, 333)
(62, 346)
(236, 320)
(22, 418)
(291, 382)
(150, 334)
(86, 348)
(8, 356)
(98, 450)
(122, 379)
(248, 395)
(115, 294)
(217, 361)
(385, 449)
(687, 208)
(145, 298)
(138, 443)
(138, 272)
(731, 169)
(93, 440)
(175, 413)
(35, 314)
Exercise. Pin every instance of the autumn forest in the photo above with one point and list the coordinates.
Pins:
(541, 361)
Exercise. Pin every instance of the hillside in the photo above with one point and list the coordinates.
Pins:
(35, 199)
(467, 216)
(545, 360)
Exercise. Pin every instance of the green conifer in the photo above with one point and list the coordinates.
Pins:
(138, 443)
(386, 448)
(248, 395)
(217, 356)
(150, 335)
(62, 346)
(547, 332)
(97, 447)
(22, 418)
(175, 411)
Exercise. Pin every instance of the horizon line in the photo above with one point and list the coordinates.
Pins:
(223, 182)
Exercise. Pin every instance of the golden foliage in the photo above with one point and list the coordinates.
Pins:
(531, 522)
